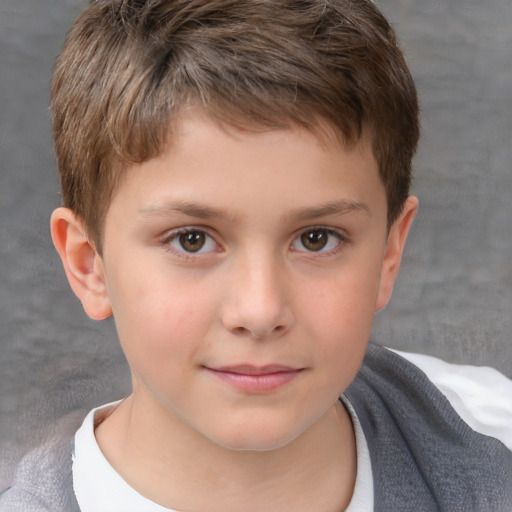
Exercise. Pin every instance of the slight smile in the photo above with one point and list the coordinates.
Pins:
(253, 379)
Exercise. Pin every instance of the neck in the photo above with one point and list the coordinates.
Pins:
(178, 468)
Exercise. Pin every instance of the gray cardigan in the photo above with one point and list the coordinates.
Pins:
(423, 456)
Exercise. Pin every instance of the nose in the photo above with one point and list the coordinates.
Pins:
(257, 302)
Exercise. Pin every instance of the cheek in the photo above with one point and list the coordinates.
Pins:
(160, 321)
(339, 316)
(345, 303)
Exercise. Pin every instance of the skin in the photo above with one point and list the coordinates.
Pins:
(243, 271)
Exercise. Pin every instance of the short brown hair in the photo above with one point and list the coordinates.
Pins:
(128, 68)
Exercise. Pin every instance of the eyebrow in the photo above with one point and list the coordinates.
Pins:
(192, 209)
(331, 208)
(189, 208)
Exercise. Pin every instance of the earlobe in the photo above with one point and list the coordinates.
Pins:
(82, 263)
(394, 251)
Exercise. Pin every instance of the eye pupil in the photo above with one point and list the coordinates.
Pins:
(192, 241)
(314, 240)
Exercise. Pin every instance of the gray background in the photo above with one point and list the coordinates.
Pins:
(453, 298)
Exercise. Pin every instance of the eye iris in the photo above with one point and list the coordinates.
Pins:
(314, 240)
(193, 241)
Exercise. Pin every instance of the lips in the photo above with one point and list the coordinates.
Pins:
(247, 369)
(255, 379)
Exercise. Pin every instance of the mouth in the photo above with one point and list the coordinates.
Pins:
(255, 379)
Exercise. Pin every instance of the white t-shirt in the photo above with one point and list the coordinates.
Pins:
(480, 395)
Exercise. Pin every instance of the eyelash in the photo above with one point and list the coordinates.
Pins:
(182, 253)
(187, 255)
(340, 236)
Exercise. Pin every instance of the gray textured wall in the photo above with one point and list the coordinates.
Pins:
(453, 298)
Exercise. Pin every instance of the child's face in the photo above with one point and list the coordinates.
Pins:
(244, 270)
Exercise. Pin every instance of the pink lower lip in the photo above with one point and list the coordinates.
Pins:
(256, 383)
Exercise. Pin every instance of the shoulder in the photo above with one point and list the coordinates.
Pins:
(425, 454)
(43, 478)
(480, 395)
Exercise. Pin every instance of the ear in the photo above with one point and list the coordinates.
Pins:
(82, 263)
(394, 249)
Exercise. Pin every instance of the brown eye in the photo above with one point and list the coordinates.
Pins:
(193, 241)
(318, 240)
(315, 240)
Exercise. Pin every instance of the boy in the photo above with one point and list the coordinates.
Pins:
(235, 178)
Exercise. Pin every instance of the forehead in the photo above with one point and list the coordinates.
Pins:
(245, 170)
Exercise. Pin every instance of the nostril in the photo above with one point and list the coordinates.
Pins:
(259, 319)
(241, 330)
(259, 333)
